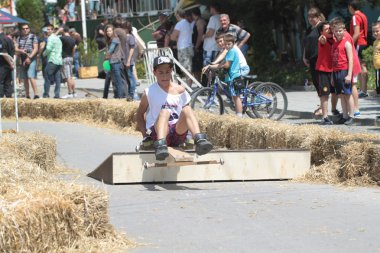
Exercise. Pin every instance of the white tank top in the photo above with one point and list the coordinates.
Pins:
(159, 99)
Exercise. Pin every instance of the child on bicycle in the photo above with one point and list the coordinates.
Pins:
(231, 64)
(164, 114)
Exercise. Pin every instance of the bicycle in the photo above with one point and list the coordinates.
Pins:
(259, 99)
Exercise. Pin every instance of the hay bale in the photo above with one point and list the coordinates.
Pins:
(39, 213)
(38, 148)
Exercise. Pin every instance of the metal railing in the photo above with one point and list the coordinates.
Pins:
(136, 7)
(152, 51)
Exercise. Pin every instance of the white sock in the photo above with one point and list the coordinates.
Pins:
(239, 114)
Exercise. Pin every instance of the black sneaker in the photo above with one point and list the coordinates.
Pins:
(161, 149)
(335, 112)
(36, 97)
(202, 145)
(326, 121)
(363, 95)
(349, 121)
(341, 121)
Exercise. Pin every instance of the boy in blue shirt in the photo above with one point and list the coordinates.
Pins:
(231, 63)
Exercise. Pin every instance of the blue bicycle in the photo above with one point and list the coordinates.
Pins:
(259, 99)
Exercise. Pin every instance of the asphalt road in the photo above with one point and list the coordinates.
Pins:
(266, 216)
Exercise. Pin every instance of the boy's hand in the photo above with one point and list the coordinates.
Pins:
(348, 79)
(322, 39)
(205, 68)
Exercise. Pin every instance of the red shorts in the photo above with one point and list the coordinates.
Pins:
(173, 139)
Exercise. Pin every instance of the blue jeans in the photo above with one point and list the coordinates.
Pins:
(76, 63)
(53, 73)
(131, 82)
(118, 78)
(94, 5)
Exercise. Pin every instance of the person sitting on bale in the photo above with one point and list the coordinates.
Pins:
(164, 114)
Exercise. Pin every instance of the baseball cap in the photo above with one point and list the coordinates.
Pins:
(164, 13)
(159, 60)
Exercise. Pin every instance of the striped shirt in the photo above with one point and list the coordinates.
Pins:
(27, 42)
(235, 30)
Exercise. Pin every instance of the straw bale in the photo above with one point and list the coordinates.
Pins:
(42, 214)
(38, 148)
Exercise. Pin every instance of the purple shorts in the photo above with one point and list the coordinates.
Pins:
(173, 139)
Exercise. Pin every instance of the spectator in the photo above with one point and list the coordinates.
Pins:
(160, 33)
(70, 10)
(44, 60)
(130, 48)
(310, 54)
(241, 35)
(68, 51)
(210, 48)
(27, 48)
(6, 64)
(197, 39)
(78, 39)
(182, 34)
(100, 37)
(115, 55)
(359, 32)
(53, 52)
(376, 53)
(119, 32)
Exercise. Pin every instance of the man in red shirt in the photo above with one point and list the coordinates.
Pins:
(359, 32)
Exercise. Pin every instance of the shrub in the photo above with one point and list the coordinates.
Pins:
(89, 57)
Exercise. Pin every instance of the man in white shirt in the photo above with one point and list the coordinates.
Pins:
(182, 34)
(210, 48)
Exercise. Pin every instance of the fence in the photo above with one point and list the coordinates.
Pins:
(136, 7)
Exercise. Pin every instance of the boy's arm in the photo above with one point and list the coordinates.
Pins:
(350, 57)
(140, 115)
(220, 57)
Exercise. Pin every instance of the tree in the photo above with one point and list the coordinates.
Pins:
(32, 11)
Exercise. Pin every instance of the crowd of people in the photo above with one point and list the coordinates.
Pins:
(334, 57)
(192, 39)
(56, 51)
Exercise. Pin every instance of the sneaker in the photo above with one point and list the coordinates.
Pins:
(67, 96)
(341, 121)
(202, 145)
(357, 114)
(28, 97)
(161, 149)
(326, 121)
(363, 95)
(349, 121)
(335, 112)
(36, 97)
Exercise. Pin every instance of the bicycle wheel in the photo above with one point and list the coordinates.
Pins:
(208, 100)
(267, 100)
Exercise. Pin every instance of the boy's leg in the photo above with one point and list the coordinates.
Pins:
(363, 79)
(161, 129)
(238, 106)
(325, 105)
(355, 96)
(188, 121)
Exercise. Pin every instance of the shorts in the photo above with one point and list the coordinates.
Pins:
(29, 71)
(244, 70)
(67, 68)
(359, 50)
(185, 57)
(324, 82)
(173, 139)
(341, 87)
(233, 91)
(197, 64)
